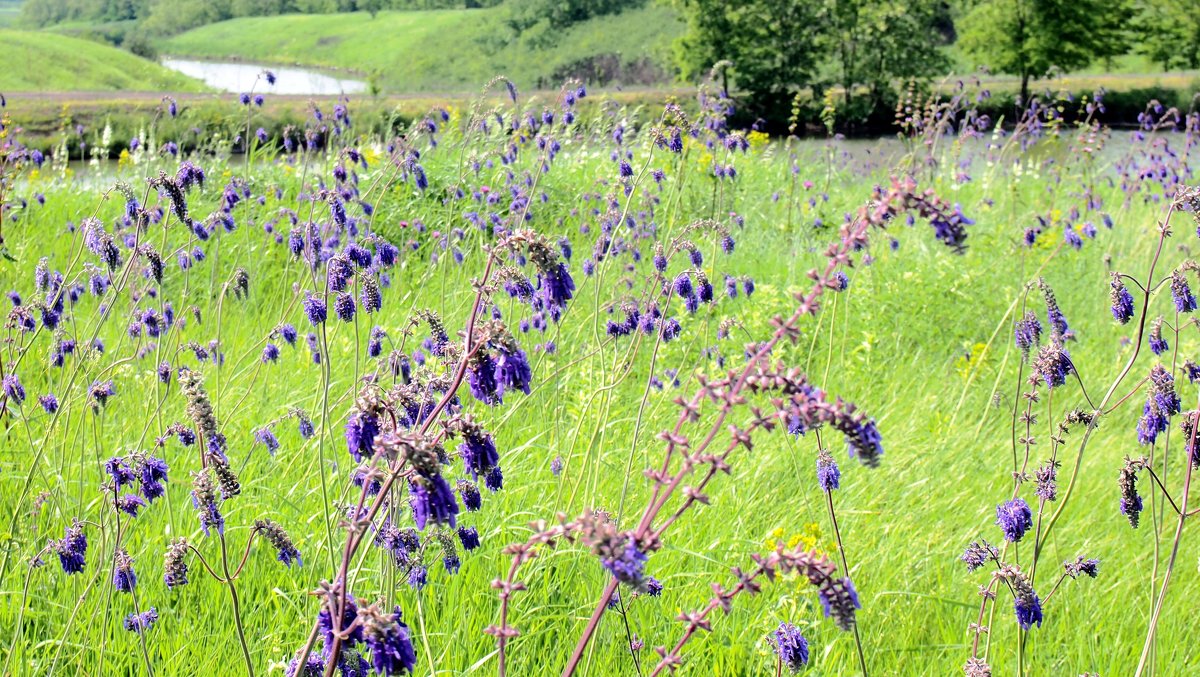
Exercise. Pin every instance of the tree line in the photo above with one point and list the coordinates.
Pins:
(167, 17)
(776, 48)
(780, 47)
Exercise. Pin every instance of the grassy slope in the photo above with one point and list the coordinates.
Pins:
(48, 62)
(426, 50)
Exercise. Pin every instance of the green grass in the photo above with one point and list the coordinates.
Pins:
(891, 343)
(445, 50)
(42, 62)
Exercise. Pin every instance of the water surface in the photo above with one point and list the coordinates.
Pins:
(239, 77)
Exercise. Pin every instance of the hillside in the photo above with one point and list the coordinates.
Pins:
(35, 61)
(445, 50)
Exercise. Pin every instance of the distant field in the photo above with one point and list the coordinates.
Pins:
(444, 50)
(1088, 81)
(49, 62)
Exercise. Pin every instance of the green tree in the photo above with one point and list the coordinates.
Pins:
(539, 22)
(167, 17)
(1168, 32)
(772, 44)
(374, 7)
(1028, 38)
(872, 43)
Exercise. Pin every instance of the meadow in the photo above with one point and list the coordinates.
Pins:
(45, 62)
(463, 226)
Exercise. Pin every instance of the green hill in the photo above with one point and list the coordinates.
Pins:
(446, 50)
(35, 61)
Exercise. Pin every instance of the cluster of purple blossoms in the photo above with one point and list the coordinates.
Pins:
(1158, 344)
(314, 309)
(389, 642)
(432, 500)
(468, 537)
(207, 502)
(141, 622)
(790, 647)
(1054, 314)
(99, 392)
(1181, 294)
(628, 565)
(1028, 332)
(1082, 566)
(512, 369)
(1191, 370)
(148, 472)
(13, 390)
(1053, 364)
(71, 549)
(979, 554)
(124, 579)
(1122, 301)
(1014, 518)
(644, 321)
(1162, 403)
(279, 539)
(478, 450)
(1026, 604)
(862, 437)
(490, 375)
(839, 601)
(375, 341)
(344, 307)
(471, 498)
(1130, 504)
(383, 635)
(554, 288)
(828, 475)
(362, 427)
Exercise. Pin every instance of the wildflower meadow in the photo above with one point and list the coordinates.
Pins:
(546, 383)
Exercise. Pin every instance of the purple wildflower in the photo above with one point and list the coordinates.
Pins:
(1014, 518)
(790, 647)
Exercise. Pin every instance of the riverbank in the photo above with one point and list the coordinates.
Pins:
(49, 116)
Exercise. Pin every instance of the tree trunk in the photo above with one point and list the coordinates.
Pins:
(1025, 89)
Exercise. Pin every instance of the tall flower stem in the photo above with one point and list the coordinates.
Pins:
(1147, 648)
(237, 609)
(837, 532)
(862, 658)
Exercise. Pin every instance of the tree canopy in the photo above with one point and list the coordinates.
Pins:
(778, 47)
(1029, 38)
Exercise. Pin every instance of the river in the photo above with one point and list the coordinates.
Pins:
(230, 76)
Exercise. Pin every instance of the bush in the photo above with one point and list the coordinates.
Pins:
(137, 43)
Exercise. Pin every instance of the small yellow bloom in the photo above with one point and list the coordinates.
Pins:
(970, 362)
(758, 140)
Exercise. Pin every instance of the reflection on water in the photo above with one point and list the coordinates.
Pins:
(240, 77)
